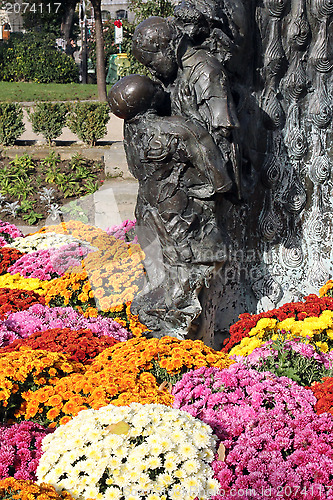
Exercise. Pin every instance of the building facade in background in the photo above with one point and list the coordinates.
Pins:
(116, 9)
(10, 19)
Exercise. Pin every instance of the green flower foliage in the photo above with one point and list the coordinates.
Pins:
(48, 119)
(88, 121)
(294, 359)
(143, 10)
(33, 57)
(11, 123)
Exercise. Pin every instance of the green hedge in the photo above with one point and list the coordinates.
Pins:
(48, 119)
(11, 123)
(88, 121)
(33, 57)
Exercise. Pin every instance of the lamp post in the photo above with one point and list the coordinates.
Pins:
(84, 54)
(118, 33)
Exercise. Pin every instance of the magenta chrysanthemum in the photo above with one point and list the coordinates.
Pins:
(40, 318)
(120, 231)
(50, 263)
(278, 456)
(20, 450)
(229, 399)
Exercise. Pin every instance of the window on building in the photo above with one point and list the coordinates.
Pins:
(105, 15)
(121, 14)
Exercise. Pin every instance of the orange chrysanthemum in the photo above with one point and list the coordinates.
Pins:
(27, 490)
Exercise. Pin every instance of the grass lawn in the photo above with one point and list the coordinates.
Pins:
(29, 92)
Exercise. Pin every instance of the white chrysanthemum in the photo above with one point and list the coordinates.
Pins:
(170, 463)
(44, 241)
(177, 436)
(153, 496)
(179, 474)
(113, 494)
(176, 493)
(152, 439)
(144, 481)
(212, 487)
(112, 440)
(206, 455)
(44, 469)
(191, 484)
(121, 452)
(114, 462)
(142, 450)
(191, 466)
(140, 421)
(133, 452)
(133, 476)
(122, 481)
(187, 450)
(94, 453)
(201, 438)
(137, 454)
(91, 492)
(165, 480)
(156, 449)
(166, 444)
(154, 462)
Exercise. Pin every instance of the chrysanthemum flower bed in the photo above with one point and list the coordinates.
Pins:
(269, 430)
(297, 359)
(27, 490)
(92, 409)
(140, 451)
(21, 450)
(80, 345)
(312, 318)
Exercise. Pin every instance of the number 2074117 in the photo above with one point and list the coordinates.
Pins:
(34, 8)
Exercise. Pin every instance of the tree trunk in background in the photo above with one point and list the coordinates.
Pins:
(100, 54)
(67, 21)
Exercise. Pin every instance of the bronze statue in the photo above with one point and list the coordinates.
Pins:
(257, 77)
(195, 78)
(185, 173)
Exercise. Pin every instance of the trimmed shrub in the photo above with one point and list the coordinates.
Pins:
(48, 119)
(33, 57)
(88, 121)
(11, 123)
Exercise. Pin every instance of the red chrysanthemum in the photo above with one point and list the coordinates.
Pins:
(312, 306)
(324, 394)
(81, 345)
(8, 256)
(12, 300)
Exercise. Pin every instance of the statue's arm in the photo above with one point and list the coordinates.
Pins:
(205, 158)
(208, 81)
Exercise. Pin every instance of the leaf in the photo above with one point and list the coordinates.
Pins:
(165, 385)
(221, 452)
(118, 428)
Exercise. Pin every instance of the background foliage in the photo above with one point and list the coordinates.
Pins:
(33, 57)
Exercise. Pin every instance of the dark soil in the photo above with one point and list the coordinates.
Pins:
(35, 176)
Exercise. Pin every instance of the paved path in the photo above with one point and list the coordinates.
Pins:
(113, 203)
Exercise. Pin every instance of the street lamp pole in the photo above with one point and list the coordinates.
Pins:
(84, 54)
